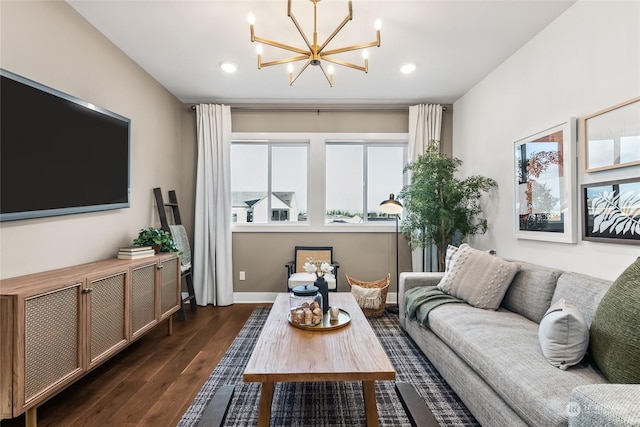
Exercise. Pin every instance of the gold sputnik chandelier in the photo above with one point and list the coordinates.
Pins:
(315, 53)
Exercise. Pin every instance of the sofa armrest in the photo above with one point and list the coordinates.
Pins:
(409, 280)
(604, 405)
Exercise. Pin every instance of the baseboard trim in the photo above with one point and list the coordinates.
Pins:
(266, 297)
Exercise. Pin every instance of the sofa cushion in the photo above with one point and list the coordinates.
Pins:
(615, 341)
(531, 291)
(502, 347)
(478, 277)
(448, 256)
(585, 292)
(563, 335)
(596, 406)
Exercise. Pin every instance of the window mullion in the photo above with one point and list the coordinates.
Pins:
(365, 196)
(269, 180)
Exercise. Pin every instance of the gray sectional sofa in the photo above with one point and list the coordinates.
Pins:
(493, 360)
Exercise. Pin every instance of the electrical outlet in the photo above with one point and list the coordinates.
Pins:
(242, 275)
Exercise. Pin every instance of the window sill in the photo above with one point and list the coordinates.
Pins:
(308, 228)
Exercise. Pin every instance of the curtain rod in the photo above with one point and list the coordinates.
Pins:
(332, 108)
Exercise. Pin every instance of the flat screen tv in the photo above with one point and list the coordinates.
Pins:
(58, 154)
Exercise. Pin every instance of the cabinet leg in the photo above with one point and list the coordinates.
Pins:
(170, 325)
(31, 417)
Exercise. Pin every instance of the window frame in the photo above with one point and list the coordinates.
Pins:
(271, 144)
(316, 179)
(366, 144)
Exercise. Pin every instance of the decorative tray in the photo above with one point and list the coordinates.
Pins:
(343, 320)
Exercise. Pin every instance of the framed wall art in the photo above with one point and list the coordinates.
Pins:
(545, 201)
(611, 137)
(611, 211)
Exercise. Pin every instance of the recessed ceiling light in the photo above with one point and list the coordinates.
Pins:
(408, 68)
(228, 67)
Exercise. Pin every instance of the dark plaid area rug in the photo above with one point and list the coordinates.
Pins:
(330, 403)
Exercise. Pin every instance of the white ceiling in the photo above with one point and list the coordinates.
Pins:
(453, 43)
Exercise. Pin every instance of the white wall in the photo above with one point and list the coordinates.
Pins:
(47, 41)
(586, 60)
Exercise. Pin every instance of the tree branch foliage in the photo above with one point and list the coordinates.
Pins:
(441, 208)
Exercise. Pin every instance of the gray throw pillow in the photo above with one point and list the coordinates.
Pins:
(563, 335)
(478, 278)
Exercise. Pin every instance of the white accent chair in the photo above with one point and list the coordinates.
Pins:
(296, 275)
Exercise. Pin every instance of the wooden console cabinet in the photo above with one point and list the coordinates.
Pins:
(57, 325)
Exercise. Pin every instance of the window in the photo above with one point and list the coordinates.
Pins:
(269, 181)
(360, 175)
(279, 214)
(316, 181)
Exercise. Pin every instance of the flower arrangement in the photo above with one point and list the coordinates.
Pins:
(319, 268)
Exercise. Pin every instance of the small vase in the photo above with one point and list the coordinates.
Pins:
(323, 288)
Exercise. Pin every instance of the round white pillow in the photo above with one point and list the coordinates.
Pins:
(563, 335)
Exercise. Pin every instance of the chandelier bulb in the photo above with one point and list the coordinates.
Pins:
(251, 18)
(378, 24)
(330, 70)
(365, 54)
(290, 68)
(259, 49)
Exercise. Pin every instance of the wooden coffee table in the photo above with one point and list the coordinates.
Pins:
(285, 353)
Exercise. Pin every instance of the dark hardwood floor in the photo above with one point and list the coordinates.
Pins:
(154, 380)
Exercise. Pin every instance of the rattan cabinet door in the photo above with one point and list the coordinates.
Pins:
(107, 304)
(169, 287)
(143, 299)
(52, 339)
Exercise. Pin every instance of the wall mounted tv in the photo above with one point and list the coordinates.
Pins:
(58, 154)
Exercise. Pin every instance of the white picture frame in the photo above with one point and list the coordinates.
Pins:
(545, 199)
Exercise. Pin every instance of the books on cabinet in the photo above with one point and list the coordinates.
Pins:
(135, 252)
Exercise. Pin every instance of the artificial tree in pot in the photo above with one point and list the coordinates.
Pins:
(442, 209)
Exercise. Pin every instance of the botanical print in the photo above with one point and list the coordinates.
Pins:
(612, 211)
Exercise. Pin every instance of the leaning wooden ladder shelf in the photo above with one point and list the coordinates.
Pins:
(186, 270)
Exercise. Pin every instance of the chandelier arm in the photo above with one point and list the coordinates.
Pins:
(284, 60)
(329, 77)
(315, 53)
(304, 67)
(295, 22)
(281, 45)
(337, 30)
(350, 48)
(346, 64)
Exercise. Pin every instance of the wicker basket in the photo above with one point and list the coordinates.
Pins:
(382, 284)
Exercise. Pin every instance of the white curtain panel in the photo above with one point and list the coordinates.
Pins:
(425, 124)
(212, 262)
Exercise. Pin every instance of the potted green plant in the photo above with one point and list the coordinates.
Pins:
(159, 239)
(442, 209)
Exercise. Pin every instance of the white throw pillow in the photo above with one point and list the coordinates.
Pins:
(563, 335)
(451, 252)
(449, 255)
(478, 278)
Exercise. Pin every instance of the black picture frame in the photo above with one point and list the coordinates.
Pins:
(611, 211)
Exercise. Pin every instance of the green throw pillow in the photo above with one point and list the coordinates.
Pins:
(614, 335)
